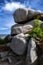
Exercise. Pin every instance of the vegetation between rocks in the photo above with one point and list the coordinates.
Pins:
(37, 31)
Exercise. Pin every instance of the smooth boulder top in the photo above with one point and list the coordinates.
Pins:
(23, 15)
(20, 15)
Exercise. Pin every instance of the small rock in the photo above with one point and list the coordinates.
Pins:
(3, 54)
(19, 63)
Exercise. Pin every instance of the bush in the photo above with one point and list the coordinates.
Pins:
(2, 41)
(5, 40)
(37, 31)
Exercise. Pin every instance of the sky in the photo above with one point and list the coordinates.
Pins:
(7, 8)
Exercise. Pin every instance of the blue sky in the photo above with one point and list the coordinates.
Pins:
(7, 7)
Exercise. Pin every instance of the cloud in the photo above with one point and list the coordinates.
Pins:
(12, 6)
(33, 4)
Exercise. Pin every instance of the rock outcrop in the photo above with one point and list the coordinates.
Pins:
(22, 52)
(24, 19)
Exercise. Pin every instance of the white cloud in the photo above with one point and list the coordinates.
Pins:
(12, 6)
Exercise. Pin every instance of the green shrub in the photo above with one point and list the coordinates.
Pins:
(2, 41)
(5, 40)
(37, 31)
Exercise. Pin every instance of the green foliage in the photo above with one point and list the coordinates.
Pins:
(5, 40)
(37, 31)
(37, 22)
(2, 41)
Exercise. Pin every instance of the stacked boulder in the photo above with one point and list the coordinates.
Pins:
(24, 23)
(19, 31)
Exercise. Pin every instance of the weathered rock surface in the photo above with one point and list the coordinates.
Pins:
(3, 54)
(19, 63)
(16, 29)
(31, 53)
(26, 28)
(11, 59)
(20, 15)
(18, 44)
(23, 15)
(20, 28)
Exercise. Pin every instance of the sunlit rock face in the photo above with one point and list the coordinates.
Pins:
(21, 28)
(18, 44)
(31, 53)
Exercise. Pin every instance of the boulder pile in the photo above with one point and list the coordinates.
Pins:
(23, 18)
(24, 52)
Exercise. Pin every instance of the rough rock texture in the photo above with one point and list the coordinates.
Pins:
(3, 54)
(20, 28)
(23, 28)
(18, 44)
(11, 59)
(16, 29)
(19, 63)
(31, 53)
(26, 28)
(23, 15)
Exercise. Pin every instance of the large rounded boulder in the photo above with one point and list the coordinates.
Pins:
(18, 44)
(20, 15)
(23, 15)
